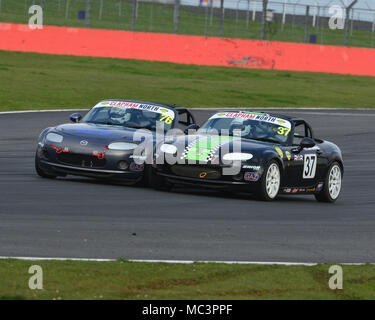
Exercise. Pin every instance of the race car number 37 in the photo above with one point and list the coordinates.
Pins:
(309, 166)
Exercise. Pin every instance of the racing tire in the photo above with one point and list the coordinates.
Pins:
(332, 184)
(269, 185)
(147, 177)
(41, 172)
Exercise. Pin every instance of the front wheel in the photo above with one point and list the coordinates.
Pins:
(332, 184)
(158, 182)
(270, 182)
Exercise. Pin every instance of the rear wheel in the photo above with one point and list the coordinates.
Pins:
(270, 182)
(332, 184)
(41, 172)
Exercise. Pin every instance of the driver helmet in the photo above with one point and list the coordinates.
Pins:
(119, 115)
(262, 129)
(240, 128)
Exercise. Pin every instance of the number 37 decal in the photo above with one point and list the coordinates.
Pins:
(309, 166)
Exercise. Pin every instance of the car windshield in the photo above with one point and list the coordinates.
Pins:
(130, 114)
(249, 125)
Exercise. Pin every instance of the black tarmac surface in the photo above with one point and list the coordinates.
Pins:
(84, 218)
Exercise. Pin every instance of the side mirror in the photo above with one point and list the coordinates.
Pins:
(75, 117)
(307, 143)
(193, 126)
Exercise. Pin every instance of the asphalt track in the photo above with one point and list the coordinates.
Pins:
(83, 218)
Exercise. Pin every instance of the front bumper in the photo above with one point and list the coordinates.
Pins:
(216, 181)
(85, 164)
(93, 173)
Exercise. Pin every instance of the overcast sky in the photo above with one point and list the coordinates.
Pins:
(360, 4)
(298, 6)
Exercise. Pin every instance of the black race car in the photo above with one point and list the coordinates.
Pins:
(103, 144)
(261, 153)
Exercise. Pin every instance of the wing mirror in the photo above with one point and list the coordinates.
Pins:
(75, 117)
(193, 126)
(307, 143)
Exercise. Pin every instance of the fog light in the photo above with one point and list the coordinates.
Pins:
(123, 165)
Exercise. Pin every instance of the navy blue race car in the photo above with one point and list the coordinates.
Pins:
(274, 154)
(101, 145)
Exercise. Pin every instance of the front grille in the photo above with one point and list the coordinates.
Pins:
(81, 160)
(192, 171)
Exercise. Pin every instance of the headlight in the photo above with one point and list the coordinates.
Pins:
(54, 137)
(168, 148)
(237, 156)
(124, 146)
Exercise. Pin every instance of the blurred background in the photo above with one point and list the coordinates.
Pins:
(304, 21)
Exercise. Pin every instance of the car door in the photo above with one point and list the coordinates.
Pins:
(306, 166)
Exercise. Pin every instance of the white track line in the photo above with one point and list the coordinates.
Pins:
(309, 264)
(34, 111)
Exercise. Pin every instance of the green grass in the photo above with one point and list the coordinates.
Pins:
(133, 280)
(159, 18)
(40, 81)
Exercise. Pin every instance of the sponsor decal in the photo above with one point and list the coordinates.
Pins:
(287, 190)
(100, 155)
(280, 152)
(320, 186)
(58, 149)
(205, 149)
(251, 176)
(298, 157)
(254, 116)
(124, 104)
(136, 167)
(202, 175)
(288, 155)
(84, 143)
(135, 105)
(256, 168)
(141, 158)
(302, 190)
(295, 190)
(310, 189)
